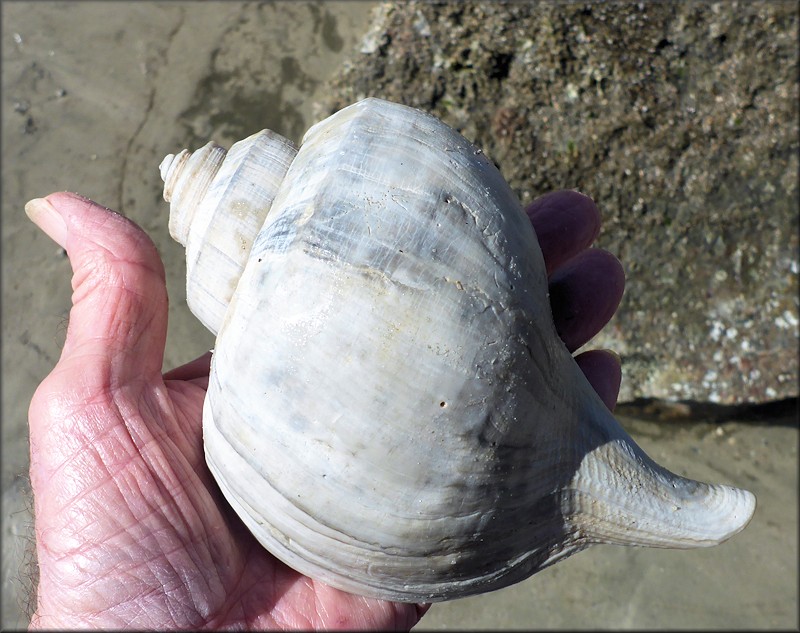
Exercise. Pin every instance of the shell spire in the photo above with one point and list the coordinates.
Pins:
(212, 217)
(187, 176)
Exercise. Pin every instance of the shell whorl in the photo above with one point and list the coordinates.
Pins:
(218, 202)
(187, 176)
(390, 409)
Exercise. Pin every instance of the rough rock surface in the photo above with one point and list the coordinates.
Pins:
(679, 119)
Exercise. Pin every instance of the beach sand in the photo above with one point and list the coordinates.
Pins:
(95, 94)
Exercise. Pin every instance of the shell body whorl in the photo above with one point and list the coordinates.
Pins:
(390, 409)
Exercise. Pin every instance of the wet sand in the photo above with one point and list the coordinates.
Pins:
(94, 94)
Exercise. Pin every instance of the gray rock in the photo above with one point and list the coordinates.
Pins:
(679, 119)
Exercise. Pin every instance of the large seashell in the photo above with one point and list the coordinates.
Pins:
(390, 410)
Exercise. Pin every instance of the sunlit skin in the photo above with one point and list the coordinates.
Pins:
(131, 530)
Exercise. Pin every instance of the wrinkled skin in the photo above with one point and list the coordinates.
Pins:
(131, 530)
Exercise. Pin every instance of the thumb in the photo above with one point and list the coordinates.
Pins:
(117, 324)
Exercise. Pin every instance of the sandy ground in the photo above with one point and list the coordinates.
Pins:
(93, 96)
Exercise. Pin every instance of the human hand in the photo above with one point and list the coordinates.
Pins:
(585, 284)
(131, 529)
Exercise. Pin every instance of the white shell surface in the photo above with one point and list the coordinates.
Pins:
(187, 177)
(395, 293)
(413, 423)
(390, 409)
(218, 203)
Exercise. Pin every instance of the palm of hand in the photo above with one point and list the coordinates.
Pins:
(155, 540)
(131, 528)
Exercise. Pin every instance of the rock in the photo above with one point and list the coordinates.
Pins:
(679, 119)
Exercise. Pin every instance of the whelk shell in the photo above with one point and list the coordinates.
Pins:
(390, 410)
